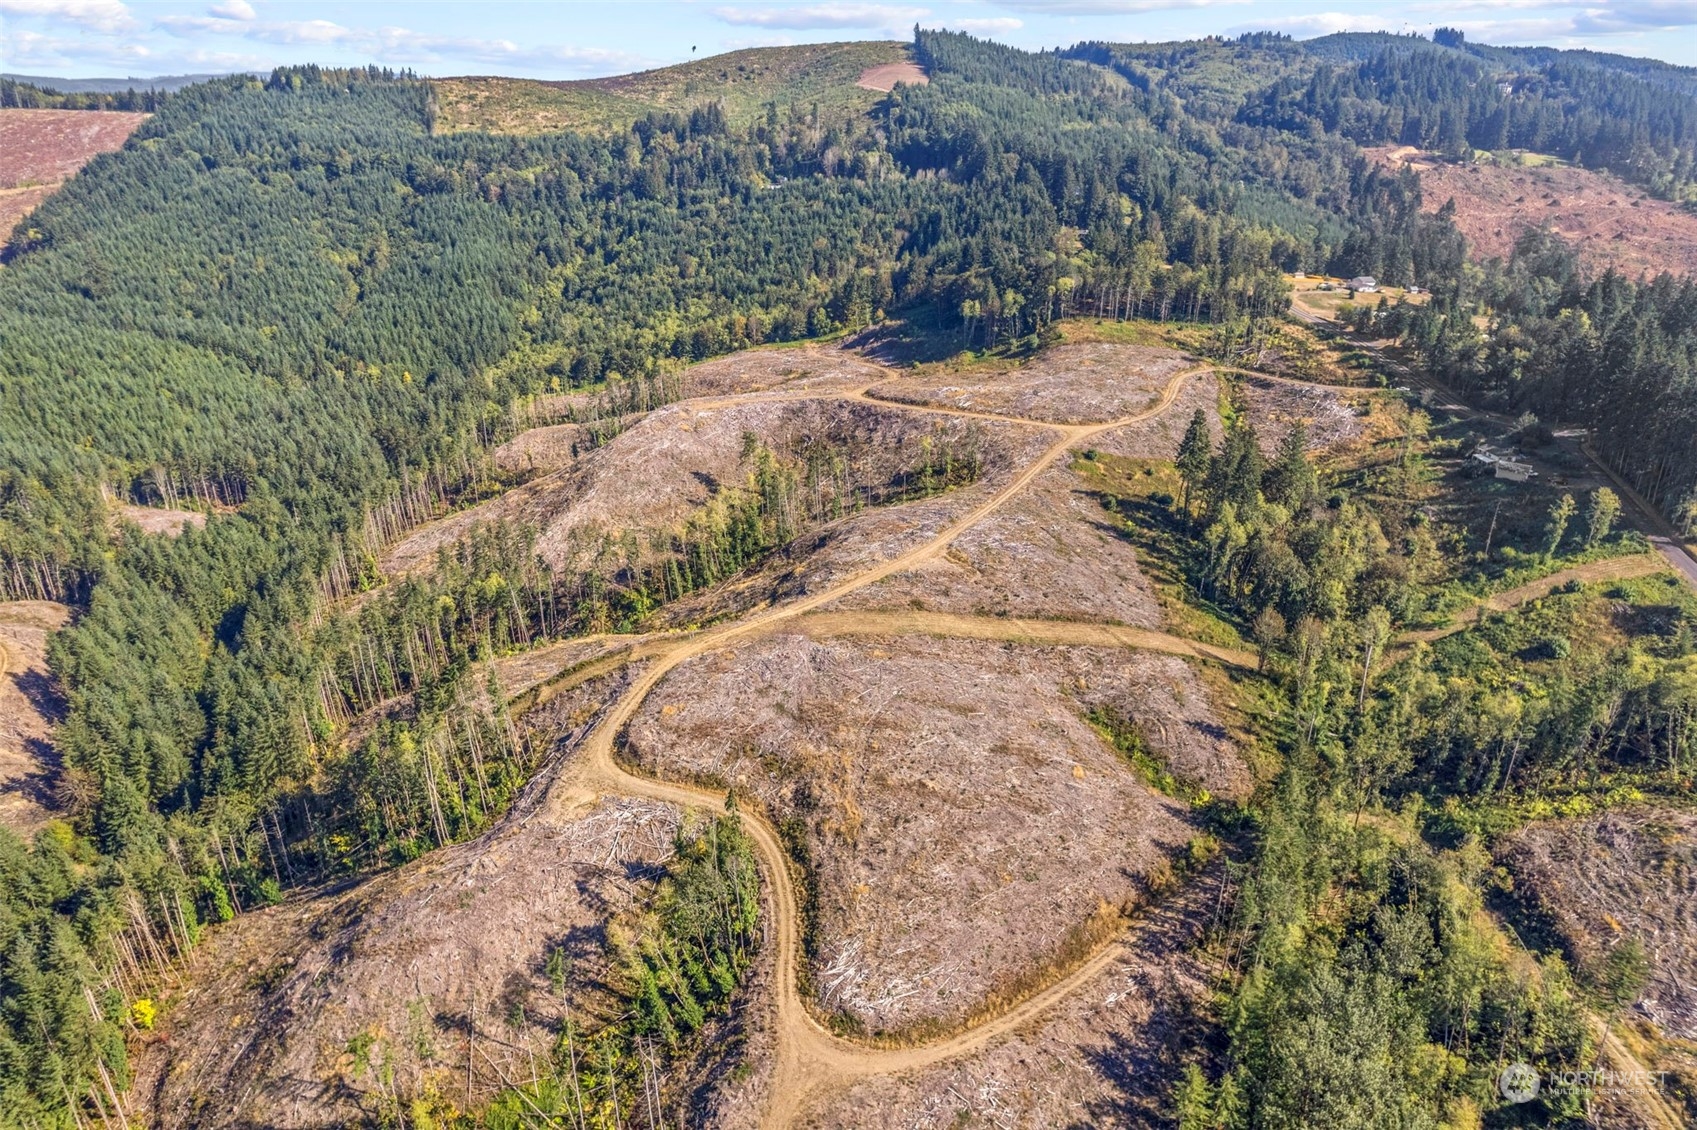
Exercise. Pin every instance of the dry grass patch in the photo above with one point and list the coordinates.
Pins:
(842, 79)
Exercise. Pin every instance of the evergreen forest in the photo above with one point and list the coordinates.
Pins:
(291, 305)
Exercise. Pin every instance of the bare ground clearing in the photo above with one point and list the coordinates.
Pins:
(1051, 552)
(159, 519)
(1083, 383)
(425, 960)
(961, 817)
(1332, 415)
(837, 552)
(1606, 879)
(29, 707)
(41, 149)
(542, 449)
(1159, 436)
(886, 76)
(653, 476)
(1107, 1056)
(1611, 223)
(787, 370)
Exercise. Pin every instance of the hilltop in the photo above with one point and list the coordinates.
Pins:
(838, 78)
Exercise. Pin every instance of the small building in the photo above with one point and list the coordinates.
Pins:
(1364, 283)
(1412, 289)
(1514, 472)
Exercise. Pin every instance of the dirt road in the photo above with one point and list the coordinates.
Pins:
(1644, 516)
(1075, 633)
(1610, 569)
(809, 1058)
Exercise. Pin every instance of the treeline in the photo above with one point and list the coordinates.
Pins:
(1368, 985)
(1451, 103)
(1616, 355)
(15, 95)
(680, 964)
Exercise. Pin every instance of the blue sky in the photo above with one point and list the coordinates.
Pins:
(88, 38)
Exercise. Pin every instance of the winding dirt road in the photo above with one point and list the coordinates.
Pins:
(810, 1058)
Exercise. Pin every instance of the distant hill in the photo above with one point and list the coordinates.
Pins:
(111, 85)
(743, 82)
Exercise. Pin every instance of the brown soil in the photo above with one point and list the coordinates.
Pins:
(1083, 383)
(652, 477)
(1611, 223)
(416, 959)
(41, 149)
(886, 77)
(160, 520)
(1604, 879)
(29, 707)
(929, 775)
(1048, 553)
(1106, 1056)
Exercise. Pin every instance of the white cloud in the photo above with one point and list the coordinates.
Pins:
(992, 25)
(32, 51)
(97, 15)
(1326, 23)
(398, 44)
(823, 16)
(1109, 7)
(1548, 22)
(1636, 15)
(234, 10)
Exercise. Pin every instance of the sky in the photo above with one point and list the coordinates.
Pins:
(121, 38)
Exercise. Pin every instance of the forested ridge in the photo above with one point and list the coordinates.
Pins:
(290, 304)
(16, 95)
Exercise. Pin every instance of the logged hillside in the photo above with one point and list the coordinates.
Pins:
(548, 476)
(41, 149)
(1609, 222)
(832, 80)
